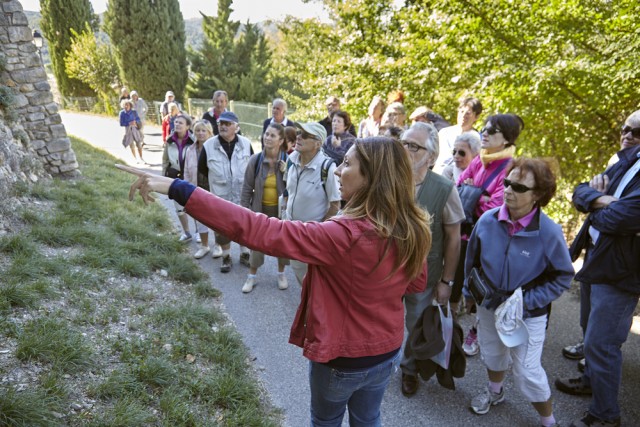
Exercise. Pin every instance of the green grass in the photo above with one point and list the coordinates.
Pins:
(70, 291)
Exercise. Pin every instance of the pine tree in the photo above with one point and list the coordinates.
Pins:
(240, 65)
(59, 17)
(149, 42)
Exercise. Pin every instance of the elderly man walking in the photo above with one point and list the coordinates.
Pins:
(278, 115)
(609, 278)
(220, 100)
(438, 196)
(312, 187)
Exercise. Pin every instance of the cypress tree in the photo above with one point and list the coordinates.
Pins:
(149, 42)
(240, 65)
(59, 17)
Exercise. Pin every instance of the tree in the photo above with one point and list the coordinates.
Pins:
(92, 62)
(59, 19)
(149, 42)
(240, 65)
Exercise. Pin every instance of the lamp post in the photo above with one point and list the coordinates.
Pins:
(38, 40)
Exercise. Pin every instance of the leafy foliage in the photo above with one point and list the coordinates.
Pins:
(59, 19)
(566, 67)
(149, 42)
(240, 65)
(92, 62)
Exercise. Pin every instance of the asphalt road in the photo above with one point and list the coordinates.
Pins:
(264, 316)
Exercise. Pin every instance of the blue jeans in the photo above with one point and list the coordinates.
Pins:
(607, 327)
(332, 390)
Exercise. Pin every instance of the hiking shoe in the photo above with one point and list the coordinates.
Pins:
(589, 420)
(574, 352)
(201, 252)
(185, 237)
(226, 264)
(575, 386)
(249, 284)
(244, 259)
(471, 346)
(282, 282)
(582, 363)
(485, 400)
(217, 251)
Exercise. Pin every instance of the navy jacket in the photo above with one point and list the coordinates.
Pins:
(615, 258)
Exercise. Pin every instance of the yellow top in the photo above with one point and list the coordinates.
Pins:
(270, 193)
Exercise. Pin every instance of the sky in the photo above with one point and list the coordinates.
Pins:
(253, 10)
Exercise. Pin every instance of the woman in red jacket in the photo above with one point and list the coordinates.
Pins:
(350, 322)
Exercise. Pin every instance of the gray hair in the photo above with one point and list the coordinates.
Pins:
(472, 139)
(397, 107)
(280, 101)
(220, 93)
(430, 135)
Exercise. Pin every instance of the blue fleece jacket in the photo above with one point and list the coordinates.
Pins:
(537, 253)
(127, 117)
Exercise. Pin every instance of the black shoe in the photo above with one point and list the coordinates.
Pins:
(582, 364)
(574, 352)
(409, 384)
(226, 264)
(589, 420)
(575, 386)
(244, 259)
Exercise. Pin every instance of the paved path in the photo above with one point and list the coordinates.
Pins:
(264, 317)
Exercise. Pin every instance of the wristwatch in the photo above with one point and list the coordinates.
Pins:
(448, 283)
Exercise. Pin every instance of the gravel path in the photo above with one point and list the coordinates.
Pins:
(264, 317)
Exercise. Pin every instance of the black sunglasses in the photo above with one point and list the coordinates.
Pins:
(490, 131)
(518, 188)
(305, 135)
(635, 132)
(412, 146)
(461, 152)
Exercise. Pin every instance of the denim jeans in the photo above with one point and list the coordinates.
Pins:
(607, 328)
(333, 390)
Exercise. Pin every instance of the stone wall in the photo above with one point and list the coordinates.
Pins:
(34, 124)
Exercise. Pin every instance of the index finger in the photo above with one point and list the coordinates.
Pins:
(130, 169)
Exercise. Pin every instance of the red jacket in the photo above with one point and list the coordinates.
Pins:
(351, 304)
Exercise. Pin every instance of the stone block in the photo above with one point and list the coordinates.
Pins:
(40, 98)
(37, 144)
(35, 109)
(27, 47)
(20, 101)
(17, 66)
(30, 75)
(53, 119)
(51, 108)
(26, 88)
(32, 59)
(54, 156)
(4, 38)
(13, 60)
(57, 145)
(68, 167)
(12, 6)
(58, 131)
(42, 85)
(69, 156)
(19, 18)
(52, 170)
(55, 162)
(43, 152)
(19, 34)
(33, 117)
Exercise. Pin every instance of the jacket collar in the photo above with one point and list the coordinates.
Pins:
(629, 154)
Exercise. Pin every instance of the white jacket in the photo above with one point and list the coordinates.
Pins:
(227, 177)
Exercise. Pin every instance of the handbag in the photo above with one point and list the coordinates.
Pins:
(478, 287)
(172, 173)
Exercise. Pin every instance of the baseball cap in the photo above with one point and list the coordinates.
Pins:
(228, 116)
(169, 93)
(315, 129)
(133, 92)
(420, 111)
(509, 323)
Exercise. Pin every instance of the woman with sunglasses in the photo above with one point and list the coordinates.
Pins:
(517, 247)
(350, 322)
(465, 148)
(497, 148)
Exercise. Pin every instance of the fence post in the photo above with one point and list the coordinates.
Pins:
(231, 106)
(189, 106)
(269, 106)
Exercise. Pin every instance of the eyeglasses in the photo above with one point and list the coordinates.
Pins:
(304, 135)
(461, 152)
(635, 132)
(490, 131)
(412, 146)
(518, 188)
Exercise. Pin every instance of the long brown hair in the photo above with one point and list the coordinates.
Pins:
(388, 201)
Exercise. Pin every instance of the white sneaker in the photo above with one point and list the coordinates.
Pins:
(282, 282)
(185, 238)
(201, 252)
(198, 239)
(217, 251)
(248, 285)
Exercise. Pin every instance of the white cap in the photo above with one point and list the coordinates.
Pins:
(509, 323)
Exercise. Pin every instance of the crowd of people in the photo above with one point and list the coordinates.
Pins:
(383, 220)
